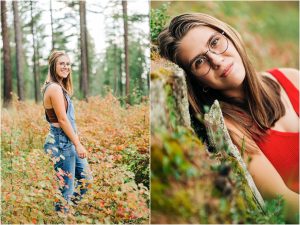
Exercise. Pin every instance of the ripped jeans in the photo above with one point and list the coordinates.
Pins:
(71, 171)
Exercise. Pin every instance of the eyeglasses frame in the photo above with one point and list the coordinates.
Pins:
(209, 50)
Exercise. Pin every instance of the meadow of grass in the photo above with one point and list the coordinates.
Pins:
(117, 139)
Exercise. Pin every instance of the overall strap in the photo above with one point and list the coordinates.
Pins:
(289, 87)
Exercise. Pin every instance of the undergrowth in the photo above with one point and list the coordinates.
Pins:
(119, 192)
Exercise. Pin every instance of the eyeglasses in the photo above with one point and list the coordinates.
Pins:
(218, 44)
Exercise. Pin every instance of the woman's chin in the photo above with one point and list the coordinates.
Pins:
(238, 74)
(64, 76)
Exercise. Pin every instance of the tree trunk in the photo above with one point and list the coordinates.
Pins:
(38, 66)
(215, 124)
(51, 19)
(115, 72)
(35, 71)
(87, 50)
(125, 20)
(6, 57)
(141, 83)
(148, 83)
(19, 52)
(83, 46)
(120, 83)
(174, 146)
(115, 57)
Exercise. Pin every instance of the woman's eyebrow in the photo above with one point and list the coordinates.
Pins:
(201, 54)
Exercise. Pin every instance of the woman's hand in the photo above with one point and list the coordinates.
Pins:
(81, 151)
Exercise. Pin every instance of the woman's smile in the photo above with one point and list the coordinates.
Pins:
(227, 70)
(65, 71)
(222, 71)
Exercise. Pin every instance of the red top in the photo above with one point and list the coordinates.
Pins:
(282, 148)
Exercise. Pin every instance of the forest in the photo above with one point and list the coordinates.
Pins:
(107, 42)
(31, 29)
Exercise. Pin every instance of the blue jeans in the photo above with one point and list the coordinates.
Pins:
(71, 171)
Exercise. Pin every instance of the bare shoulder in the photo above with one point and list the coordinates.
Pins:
(266, 74)
(54, 89)
(292, 74)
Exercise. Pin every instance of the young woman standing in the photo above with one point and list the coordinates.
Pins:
(62, 143)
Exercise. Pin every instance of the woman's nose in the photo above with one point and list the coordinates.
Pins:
(215, 59)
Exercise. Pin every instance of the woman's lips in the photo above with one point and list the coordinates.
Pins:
(227, 70)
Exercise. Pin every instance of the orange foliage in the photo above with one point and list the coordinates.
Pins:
(112, 126)
(29, 189)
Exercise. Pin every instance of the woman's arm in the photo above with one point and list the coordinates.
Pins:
(270, 184)
(267, 179)
(57, 100)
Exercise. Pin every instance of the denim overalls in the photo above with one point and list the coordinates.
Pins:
(67, 164)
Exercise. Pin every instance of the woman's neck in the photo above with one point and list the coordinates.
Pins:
(56, 81)
(237, 93)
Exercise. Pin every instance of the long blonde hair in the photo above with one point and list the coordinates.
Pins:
(67, 83)
(257, 113)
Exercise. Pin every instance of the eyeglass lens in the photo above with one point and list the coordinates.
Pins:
(217, 45)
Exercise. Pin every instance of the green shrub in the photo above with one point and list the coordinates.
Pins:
(137, 163)
(158, 19)
(273, 212)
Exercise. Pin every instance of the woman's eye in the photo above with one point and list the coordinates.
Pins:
(214, 42)
(62, 64)
(199, 62)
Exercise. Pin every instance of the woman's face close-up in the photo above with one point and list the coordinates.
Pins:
(212, 59)
(63, 66)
